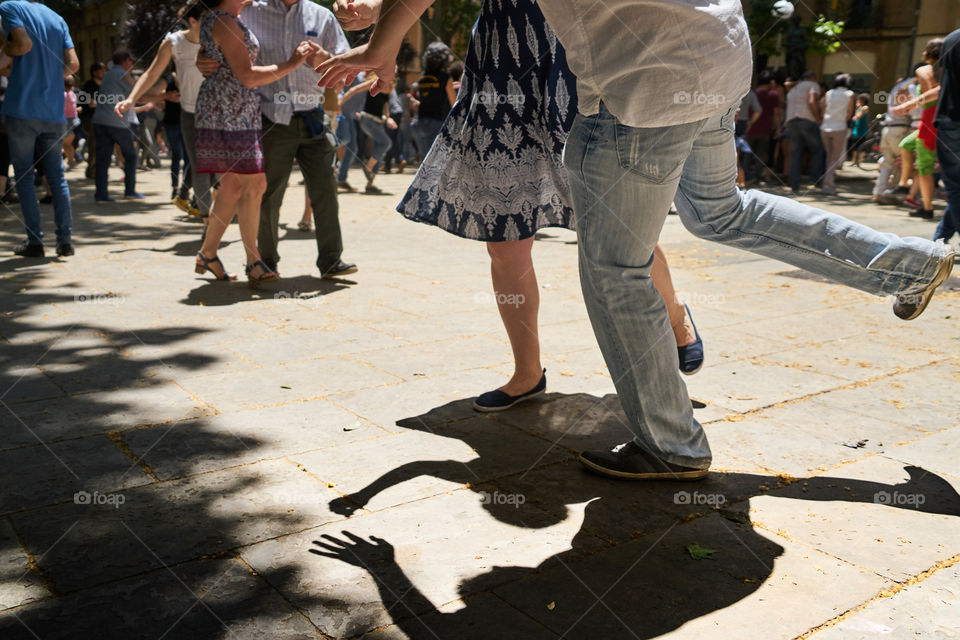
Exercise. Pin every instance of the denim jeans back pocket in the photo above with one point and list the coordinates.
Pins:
(656, 154)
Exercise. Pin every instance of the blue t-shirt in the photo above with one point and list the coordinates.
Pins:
(36, 82)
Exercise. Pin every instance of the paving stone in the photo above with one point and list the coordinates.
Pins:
(481, 616)
(928, 609)
(18, 583)
(754, 585)
(228, 440)
(449, 358)
(268, 385)
(96, 412)
(852, 359)
(747, 385)
(880, 514)
(447, 547)
(45, 474)
(938, 453)
(427, 399)
(324, 340)
(203, 599)
(22, 384)
(426, 460)
(82, 545)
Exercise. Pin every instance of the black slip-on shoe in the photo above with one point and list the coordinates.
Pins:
(65, 249)
(498, 400)
(340, 268)
(909, 305)
(29, 250)
(628, 461)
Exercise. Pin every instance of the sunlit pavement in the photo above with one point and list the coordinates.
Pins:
(173, 449)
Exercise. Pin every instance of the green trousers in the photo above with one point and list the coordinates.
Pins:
(315, 156)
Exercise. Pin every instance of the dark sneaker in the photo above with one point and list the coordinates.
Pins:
(341, 268)
(346, 187)
(909, 305)
(926, 214)
(29, 250)
(65, 249)
(629, 462)
(498, 400)
(134, 196)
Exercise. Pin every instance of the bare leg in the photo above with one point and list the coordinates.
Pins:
(926, 191)
(682, 326)
(518, 300)
(248, 215)
(906, 163)
(221, 214)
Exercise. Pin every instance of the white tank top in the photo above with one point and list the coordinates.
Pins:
(835, 113)
(189, 77)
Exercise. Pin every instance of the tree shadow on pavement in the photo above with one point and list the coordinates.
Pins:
(648, 558)
(106, 531)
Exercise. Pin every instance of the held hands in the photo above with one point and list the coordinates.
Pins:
(206, 66)
(123, 107)
(346, 66)
(391, 123)
(355, 15)
(304, 50)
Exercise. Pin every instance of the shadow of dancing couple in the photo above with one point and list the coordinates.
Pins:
(630, 570)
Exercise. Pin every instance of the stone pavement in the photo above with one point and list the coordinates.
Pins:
(174, 449)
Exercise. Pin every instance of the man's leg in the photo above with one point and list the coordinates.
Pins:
(948, 152)
(102, 166)
(817, 153)
(22, 137)
(315, 158)
(823, 243)
(797, 147)
(124, 138)
(49, 143)
(91, 136)
(347, 132)
(622, 185)
(280, 145)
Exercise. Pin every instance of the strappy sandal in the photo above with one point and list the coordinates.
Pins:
(267, 274)
(303, 226)
(203, 265)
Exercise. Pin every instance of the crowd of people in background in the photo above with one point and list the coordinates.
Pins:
(789, 128)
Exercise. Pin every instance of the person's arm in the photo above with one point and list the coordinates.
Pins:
(814, 103)
(356, 15)
(352, 91)
(387, 119)
(18, 43)
(380, 54)
(451, 92)
(919, 101)
(850, 107)
(148, 79)
(71, 64)
(229, 37)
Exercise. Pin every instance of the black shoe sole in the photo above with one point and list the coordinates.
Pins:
(693, 474)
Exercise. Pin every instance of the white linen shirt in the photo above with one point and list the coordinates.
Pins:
(279, 31)
(655, 63)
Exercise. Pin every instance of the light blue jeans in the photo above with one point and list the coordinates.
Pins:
(377, 132)
(35, 140)
(623, 180)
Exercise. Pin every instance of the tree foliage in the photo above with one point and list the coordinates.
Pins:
(146, 25)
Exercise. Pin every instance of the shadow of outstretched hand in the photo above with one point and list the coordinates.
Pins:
(345, 506)
(355, 550)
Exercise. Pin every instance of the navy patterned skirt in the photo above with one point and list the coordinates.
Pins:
(494, 172)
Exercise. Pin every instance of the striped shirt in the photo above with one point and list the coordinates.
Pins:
(279, 31)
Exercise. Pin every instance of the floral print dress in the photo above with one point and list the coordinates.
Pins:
(227, 113)
(494, 172)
